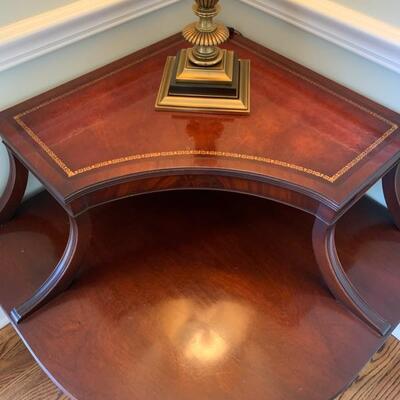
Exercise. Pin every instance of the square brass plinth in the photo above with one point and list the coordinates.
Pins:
(221, 73)
(240, 105)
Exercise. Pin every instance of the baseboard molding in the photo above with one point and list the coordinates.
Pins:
(43, 33)
(370, 38)
(3, 319)
(350, 29)
(396, 333)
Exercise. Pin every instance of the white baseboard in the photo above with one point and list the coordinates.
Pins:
(396, 332)
(3, 319)
(43, 33)
(368, 37)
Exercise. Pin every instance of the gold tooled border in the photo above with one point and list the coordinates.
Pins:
(71, 173)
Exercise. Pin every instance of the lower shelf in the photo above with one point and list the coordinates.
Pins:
(200, 295)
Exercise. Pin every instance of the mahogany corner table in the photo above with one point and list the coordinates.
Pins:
(308, 143)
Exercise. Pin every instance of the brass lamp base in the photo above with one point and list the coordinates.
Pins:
(222, 88)
(221, 72)
(205, 78)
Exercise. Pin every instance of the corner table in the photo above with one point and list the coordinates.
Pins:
(308, 143)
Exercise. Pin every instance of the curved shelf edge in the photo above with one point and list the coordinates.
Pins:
(203, 179)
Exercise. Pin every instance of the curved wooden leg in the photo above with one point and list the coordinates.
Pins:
(65, 271)
(391, 189)
(336, 279)
(15, 189)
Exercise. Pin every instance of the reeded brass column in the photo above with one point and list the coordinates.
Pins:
(205, 77)
(206, 35)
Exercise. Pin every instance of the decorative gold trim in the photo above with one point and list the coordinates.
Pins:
(44, 146)
(318, 85)
(70, 173)
(201, 153)
(241, 105)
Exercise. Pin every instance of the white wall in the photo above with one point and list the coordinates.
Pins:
(385, 10)
(12, 11)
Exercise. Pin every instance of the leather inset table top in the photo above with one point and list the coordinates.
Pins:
(303, 129)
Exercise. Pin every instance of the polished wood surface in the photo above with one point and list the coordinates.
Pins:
(391, 189)
(194, 295)
(21, 378)
(307, 134)
(338, 281)
(65, 271)
(11, 198)
(308, 143)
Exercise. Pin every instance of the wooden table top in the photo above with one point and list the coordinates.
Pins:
(304, 131)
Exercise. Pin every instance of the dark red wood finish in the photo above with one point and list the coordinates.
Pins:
(64, 273)
(308, 143)
(337, 280)
(15, 189)
(200, 295)
(305, 133)
(391, 188)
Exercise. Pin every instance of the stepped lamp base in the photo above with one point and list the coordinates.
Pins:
(220, 73)
(223, 88)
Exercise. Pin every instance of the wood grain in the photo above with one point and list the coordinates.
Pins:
(308, 143)
(21, 378)
(336, 279)
(14, 190)
(380, 379)
(305, 133)
(391, 189)
(177, 268)
(64, 273)
(200, 295)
